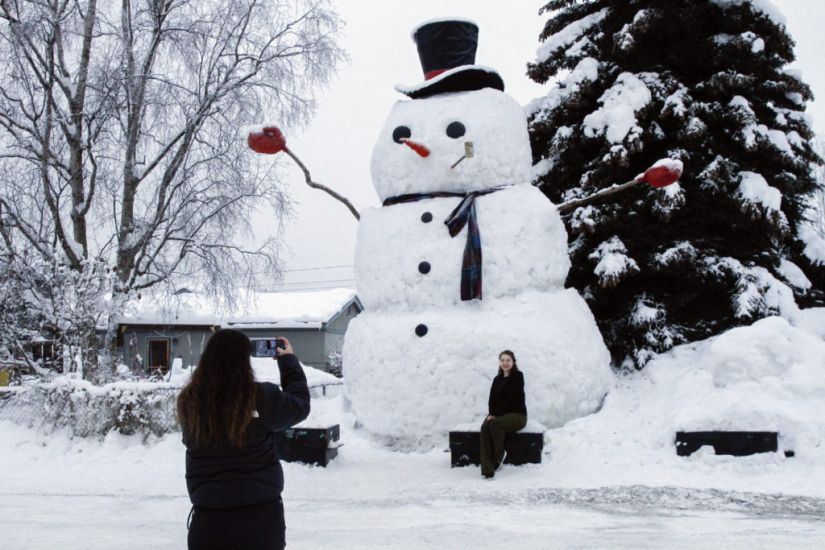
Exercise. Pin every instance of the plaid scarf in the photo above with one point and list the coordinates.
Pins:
(463, 214)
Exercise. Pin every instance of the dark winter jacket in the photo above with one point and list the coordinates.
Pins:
(507, 394)
(233, 477)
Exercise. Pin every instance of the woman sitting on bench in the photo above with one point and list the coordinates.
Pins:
(507, 413)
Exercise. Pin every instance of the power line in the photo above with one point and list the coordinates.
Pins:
(317, 268)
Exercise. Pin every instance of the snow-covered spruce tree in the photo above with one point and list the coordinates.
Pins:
(703, 81)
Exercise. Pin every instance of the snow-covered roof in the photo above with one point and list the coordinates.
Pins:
(260, 310)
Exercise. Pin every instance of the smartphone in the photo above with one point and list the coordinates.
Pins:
(265, 347)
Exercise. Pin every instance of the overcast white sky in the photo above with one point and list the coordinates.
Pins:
(337, 146)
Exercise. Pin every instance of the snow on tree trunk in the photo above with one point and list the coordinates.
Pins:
(704, 82)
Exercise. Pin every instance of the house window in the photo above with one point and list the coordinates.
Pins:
(43, 351)
(159, 354)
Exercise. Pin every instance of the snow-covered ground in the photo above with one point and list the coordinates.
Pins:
(609, 480)
(121, 494)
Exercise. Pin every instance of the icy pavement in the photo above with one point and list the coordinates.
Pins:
(617, 517)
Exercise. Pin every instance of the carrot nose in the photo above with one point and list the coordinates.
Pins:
(417, 147)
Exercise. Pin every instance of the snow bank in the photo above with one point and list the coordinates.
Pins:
(266, 370)
(769, 376)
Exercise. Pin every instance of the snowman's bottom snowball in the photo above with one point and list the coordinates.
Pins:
(412, 390)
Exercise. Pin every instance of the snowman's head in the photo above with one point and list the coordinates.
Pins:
(423, 138)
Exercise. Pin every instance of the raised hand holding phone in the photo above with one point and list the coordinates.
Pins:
(283, 347)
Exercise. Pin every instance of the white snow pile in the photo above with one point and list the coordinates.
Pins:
(616, 118)
(769, 376)
(266, 370)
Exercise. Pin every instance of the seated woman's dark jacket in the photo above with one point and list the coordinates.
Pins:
(507, 394)
(252, 474)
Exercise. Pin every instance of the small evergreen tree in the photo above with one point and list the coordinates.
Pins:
(705, 82)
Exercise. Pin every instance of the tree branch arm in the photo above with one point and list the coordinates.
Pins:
(324, 188)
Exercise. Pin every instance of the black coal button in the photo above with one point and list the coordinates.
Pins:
(426, 217)
(424, 267)
(421, 330)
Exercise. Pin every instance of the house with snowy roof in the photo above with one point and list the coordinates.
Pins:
(152, 334)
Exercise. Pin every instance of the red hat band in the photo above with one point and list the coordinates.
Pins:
(429, 75)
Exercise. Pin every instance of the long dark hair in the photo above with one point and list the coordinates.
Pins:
(215, 407)
(512, 356)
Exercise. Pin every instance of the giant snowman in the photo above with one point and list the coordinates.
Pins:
(461, 262)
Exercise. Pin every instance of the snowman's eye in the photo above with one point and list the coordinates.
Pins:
(401, 132)
(455, 130)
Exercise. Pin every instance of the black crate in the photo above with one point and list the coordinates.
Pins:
(309, 445)
(727, 443)
(521, 447)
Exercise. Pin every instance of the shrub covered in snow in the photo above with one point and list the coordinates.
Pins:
(87, 410)
(128, 407)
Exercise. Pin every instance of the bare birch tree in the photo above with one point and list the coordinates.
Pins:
(120, 133)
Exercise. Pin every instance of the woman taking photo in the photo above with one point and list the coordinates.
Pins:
(506, 412)
(229, 420)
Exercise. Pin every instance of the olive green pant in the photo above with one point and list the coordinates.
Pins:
(492, 439)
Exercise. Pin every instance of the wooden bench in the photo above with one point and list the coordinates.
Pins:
(522, 447)
(728, 442)
(309, 445)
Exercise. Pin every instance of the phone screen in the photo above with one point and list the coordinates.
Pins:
(264, 348)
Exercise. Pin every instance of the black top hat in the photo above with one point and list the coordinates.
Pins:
(447, 50)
